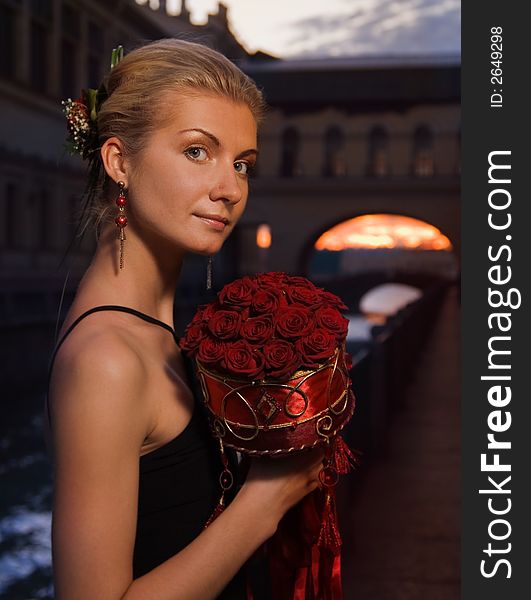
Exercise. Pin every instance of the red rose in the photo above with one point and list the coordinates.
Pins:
(295, 280)
(198, 317)
(244, 361)
(238, 294)
(281, 358)
(332, 320)
(273, 278)
(317, 347)
(207, 310)
(303, 294)
(192, 336)
(211, 351)
(225, 324)
(327, 298)
(266, 300)
(245, 314)
(257, 330)
(294, 321)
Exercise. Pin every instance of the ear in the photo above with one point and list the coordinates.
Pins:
(112, 156)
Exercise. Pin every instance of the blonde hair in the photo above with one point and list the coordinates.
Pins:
(137, 85)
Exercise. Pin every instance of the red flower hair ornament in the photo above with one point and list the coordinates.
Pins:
(270, 357)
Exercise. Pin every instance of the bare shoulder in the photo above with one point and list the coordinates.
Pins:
(104, 345)
(98, 422)
(97, 380)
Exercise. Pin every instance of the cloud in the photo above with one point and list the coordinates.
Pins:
(379, 27)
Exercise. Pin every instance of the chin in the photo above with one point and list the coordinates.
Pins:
(207, 250)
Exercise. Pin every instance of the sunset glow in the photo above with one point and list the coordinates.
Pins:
(383, 231)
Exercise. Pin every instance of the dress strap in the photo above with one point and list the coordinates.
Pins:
(94, 309)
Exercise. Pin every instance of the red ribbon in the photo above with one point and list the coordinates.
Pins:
(305, 552)
(256, 415)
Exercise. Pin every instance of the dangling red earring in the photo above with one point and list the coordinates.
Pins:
(121, 220)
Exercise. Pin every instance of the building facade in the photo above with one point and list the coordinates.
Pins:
(347, 137)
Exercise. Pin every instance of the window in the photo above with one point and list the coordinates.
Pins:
(41, 17)
(7, 42)
(68, 69)
(70, 21)
(43, 237)
(289, 166)
(95, 48)
(378, 152)
(39, 56)
(42, 9)
(423, 152)
(69, 54)
(334, 164)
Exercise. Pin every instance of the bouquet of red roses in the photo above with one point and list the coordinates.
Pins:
(270, 357)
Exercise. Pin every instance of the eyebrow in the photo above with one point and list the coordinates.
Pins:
(216, 141)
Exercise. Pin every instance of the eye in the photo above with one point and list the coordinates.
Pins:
(196, 153)
(244, 168)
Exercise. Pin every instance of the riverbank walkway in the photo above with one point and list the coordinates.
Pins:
(400, 521)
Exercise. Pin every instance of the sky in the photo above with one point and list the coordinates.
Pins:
(326, 28)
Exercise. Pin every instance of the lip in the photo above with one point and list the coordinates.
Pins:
(216, 221)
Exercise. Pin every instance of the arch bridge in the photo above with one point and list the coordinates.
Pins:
(298, 212)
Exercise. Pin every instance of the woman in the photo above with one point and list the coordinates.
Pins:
(136, 474)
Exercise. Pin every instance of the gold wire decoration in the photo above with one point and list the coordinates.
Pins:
(227, 423)
(219, 428)
(324, 422)
(324, 426)
(345, 378)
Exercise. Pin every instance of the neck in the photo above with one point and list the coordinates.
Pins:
(147, 282)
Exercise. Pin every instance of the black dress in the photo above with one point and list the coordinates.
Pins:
(178, 483)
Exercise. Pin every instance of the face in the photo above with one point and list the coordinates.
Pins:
(188, 187)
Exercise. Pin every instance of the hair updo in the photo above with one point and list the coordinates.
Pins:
(135, 88)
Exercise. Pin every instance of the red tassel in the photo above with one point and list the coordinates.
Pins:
(316, 555)
(329, 577)
(217, 511)
(305, 552)
(250, 595)
(329, 537)
(301, 590)
(343, 459)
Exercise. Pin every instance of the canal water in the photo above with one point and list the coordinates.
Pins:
(25, 501)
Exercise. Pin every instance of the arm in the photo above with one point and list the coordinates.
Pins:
(204, 567)
(98, 425)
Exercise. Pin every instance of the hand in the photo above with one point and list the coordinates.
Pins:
(279, 483)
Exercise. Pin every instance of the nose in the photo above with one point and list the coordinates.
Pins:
(228, 186)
